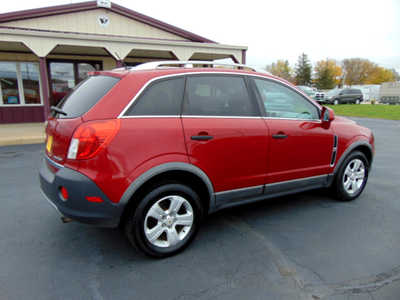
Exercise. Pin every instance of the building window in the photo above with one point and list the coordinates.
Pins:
(19, 83)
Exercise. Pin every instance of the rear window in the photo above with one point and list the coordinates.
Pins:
(85, 95)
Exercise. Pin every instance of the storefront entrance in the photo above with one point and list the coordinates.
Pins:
(64, 75)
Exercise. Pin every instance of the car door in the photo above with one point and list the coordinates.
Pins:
(225, 134)
(300, 145)
(346, 96)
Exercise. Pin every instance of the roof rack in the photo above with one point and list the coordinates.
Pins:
(190, 64)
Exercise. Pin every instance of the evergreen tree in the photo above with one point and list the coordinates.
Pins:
(303, 70)
(327, 74)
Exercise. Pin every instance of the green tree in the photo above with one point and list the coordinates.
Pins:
(303, 70)
(281, 69)
(327, 74)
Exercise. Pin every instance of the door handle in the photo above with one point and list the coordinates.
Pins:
(201, 137)
(279, 136)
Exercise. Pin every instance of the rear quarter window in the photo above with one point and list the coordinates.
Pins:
(86, 95)
(161, 98)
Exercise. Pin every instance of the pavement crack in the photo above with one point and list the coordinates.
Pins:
(357, 286)
(372, 296)
(285, 268)
(315, 273)
(94, 283)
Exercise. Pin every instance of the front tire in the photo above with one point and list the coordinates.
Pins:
(352, 177)
(165, 221)
(335, 102)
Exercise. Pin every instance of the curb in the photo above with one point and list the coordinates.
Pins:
(22, 140)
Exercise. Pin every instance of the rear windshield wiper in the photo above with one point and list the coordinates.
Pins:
(58, 110)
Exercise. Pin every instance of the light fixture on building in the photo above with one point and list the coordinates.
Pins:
(104, 3)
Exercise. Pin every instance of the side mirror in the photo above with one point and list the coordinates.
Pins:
(327, 114)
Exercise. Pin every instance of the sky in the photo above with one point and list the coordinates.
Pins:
(280, 29)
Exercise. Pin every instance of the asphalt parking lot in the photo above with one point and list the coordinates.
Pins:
(306, 246)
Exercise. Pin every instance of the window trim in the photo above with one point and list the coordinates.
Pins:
(20, 82)
(248, 79)
(264, 112)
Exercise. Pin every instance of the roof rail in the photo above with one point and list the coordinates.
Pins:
(189, 64)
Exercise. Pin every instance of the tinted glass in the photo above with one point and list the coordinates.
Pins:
(213, 95)
(9, 83)
(162, 98)
(85, 95)
(83, 69)
(62, 80)
(30, 81)
(282, 102)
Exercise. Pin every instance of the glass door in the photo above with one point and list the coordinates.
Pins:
(65, 75)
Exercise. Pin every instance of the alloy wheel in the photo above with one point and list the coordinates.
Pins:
(168, 221)
(354, 176)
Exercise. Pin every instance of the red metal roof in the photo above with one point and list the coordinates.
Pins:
(90, 5)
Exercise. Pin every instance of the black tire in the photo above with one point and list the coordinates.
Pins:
(338, 187)
(135, 225)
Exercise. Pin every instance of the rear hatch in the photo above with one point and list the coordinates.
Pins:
(67, 115)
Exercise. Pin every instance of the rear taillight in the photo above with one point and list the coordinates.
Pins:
(89, 138)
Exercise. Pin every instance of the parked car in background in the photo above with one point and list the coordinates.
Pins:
(342, 96)
(155, 148)
(312, 93)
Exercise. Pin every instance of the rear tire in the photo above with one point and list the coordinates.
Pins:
(165, 221)
(352, 177)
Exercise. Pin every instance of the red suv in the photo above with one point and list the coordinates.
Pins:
(155, 148)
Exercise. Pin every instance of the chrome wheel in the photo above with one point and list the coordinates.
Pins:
(168, 221)
(358, 101)
(354, 176)
(335, 102)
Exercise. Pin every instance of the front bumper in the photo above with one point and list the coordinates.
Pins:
(103, 214)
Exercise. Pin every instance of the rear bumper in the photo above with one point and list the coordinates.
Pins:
(103, 214)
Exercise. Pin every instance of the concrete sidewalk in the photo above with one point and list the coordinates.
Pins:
(21, 133)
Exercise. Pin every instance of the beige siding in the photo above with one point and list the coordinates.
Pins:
(108, 62)
(4, 56)
(87, 22)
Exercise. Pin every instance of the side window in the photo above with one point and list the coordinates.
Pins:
(161, 98)
(214, 95)
(282, 102)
